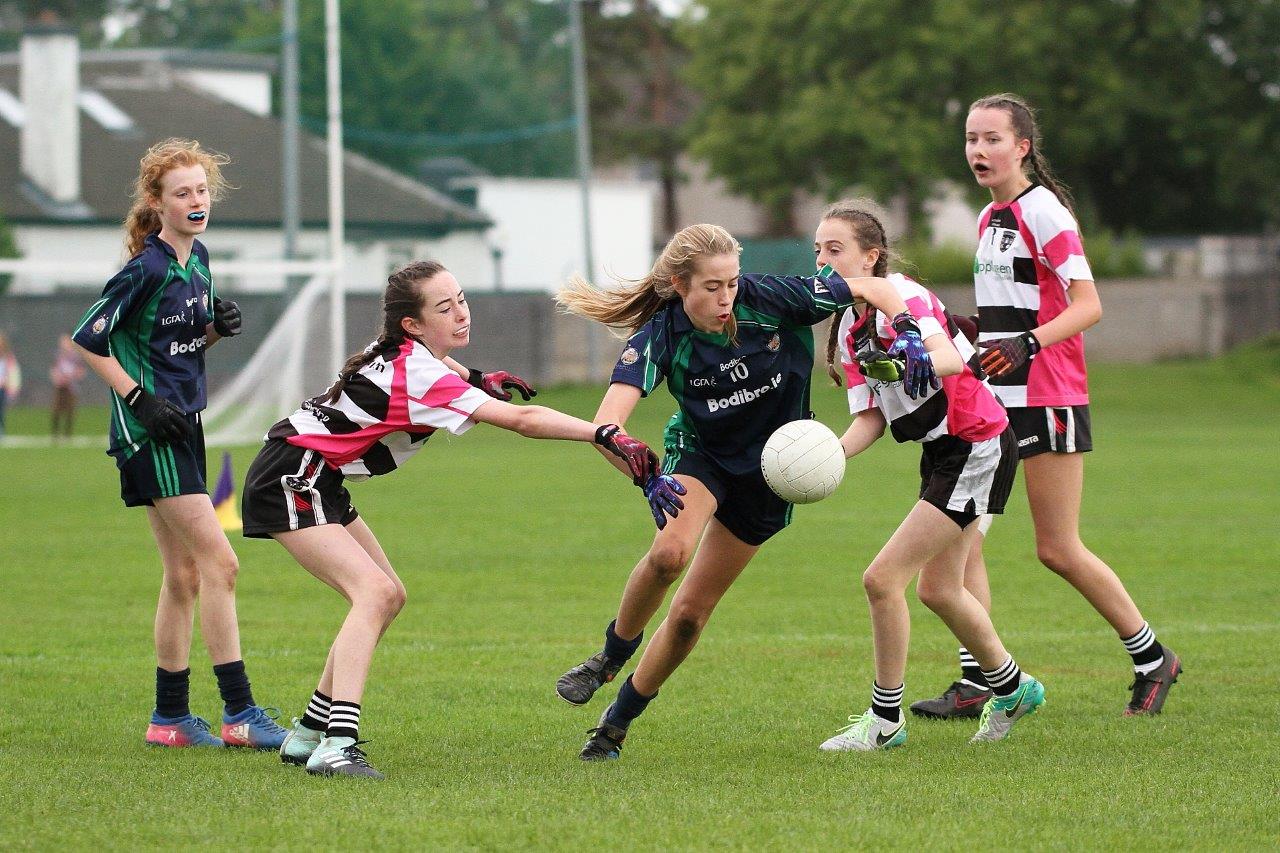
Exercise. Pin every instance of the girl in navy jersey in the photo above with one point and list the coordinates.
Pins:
(736, 352)
(1036, 295)
(967, 465)
(387, 402)
(146, 338)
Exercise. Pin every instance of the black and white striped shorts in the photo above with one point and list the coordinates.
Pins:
(967, 479)
(290, 488)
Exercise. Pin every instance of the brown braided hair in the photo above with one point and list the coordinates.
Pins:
(402, 298)
(1023, 119)
(869, 231)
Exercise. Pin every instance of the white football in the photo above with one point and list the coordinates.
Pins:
(803, 462)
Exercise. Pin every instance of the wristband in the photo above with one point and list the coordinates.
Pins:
(132, 396)
(1033, 343)
(475, 377)
(605, 433)
(905, 322)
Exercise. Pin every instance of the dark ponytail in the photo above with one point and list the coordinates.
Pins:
(1023, 119)
(870, 234)
(402, 298)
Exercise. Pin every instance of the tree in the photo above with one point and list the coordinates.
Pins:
(1160, 113)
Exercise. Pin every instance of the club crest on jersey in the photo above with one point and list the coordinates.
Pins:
(774, 343)
(1006, 240)
(630, 356)
(99, 324)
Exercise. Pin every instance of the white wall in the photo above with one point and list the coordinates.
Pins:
(249, 90)
(538, 227)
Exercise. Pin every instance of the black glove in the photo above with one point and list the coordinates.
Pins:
(162, 420)
(226, 318)
(1005, 355)
(641, 461)
(499, 384)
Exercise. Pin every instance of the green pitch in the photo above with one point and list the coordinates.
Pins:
(514, 553)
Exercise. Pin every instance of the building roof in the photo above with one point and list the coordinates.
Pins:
(151, 89)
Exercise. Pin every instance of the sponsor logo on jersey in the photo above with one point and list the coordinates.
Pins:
(774, 343)
(743, 396)
(1006, 240)
(702, 382)
(174, 318)
(176, 348)
(99, 324)
(629, 356)
(730, 364)
(988, 268)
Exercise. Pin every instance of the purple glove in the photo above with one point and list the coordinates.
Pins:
(920, 375)
(499, 384)
(663, 493)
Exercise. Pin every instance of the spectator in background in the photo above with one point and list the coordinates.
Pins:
(66, 373)
(10, 378)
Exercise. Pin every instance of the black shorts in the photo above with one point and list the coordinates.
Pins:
(746, 506)
(157, 470)
(967, 479)
(1052, 429)
(289, 488)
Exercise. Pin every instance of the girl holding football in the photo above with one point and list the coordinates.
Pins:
(1036, 295)
(736, 352)
(967, 465)
(386, 403)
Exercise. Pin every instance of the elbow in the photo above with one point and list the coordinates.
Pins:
(528, 421)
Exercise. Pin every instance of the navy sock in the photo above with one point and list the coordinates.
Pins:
(629, 705)
(173, 690)
(233, 685)
(617, 649)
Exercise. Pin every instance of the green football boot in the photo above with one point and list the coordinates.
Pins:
(299, 743)
(1001, 712)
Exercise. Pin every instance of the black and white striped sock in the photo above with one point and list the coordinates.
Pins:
(970, 671)
(886, 703)
(316, 717)
(1147, 654)
(344, 720)
(1005, 678)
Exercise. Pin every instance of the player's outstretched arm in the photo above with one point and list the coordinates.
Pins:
(866, 428)
(498, 384)
(638, 461)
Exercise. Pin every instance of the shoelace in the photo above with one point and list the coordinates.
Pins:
(202, 723)
(268, 716)
(859, 725)
(356, 754)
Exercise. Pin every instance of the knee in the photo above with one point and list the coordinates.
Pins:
(1056, 555)
(687, 622)
(667, 560)
(879, 584)
(182, 582)
(221, 570)
(398, 599)
(381, 596)
(936, 596)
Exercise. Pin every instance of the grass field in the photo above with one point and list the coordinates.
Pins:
(514, 553)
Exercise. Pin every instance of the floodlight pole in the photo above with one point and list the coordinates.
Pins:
(337, 239)
(289, 141)
(583, 134)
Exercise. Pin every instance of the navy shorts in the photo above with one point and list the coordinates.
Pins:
(164, 470)
(746, 506)
(290, 488)
(1052, 429)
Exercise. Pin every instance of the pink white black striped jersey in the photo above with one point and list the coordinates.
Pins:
(385, 413)
(964, 406)
(1029, 250)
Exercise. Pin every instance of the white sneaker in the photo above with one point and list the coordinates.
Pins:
(866, 733)
(340, 756)
(299, 743)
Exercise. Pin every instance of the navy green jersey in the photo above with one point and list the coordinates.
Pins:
(734, 394)
(152, 318)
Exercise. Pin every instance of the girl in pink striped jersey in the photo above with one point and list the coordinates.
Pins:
(385, 405)
(968, 461)
(1036, 296)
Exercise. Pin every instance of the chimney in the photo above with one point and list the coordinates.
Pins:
(50, 87)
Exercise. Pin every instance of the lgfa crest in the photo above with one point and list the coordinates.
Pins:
(630, 356)
(99, 324)
(774, 343)
(1006, 240)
